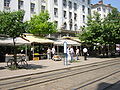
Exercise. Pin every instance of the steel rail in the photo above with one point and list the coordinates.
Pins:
(98, 79)
(64, 76)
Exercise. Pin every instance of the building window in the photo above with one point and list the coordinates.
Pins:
(70, 26)
(88, 1)
(70, 15)
(56, 22)
(70, 4)
(32, 8)
(109, 11)
(98, 9)
(64, 14)
(6, 3)
(55, 2)
(43, 1)
(75, 6)
(89, 11)
(43, 8)
(20, 4)
(83, 18)
(55, 12)
(83, 0)
(83, 8)
(64, 3)
(75, 27)
(104, 9)
(65, 25)
(75, 16)
(104, 16)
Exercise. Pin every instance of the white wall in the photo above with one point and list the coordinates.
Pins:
(50, 7)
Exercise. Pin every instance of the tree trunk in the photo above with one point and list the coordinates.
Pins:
(15, 55)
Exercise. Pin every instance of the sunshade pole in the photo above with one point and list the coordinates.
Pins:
(33, 51)
(26, 52)
(57, 49)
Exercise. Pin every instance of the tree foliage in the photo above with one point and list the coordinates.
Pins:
(112, 22)
(103, 31)
(92, 33)
(11, 23)
(40, 24)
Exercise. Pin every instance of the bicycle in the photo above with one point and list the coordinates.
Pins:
(22, 63)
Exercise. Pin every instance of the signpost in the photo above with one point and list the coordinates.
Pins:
(65, 52)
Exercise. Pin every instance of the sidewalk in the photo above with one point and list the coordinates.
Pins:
(45, 65)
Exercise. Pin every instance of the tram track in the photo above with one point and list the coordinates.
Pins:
(98, 80)
(52, 76)
(67, 68)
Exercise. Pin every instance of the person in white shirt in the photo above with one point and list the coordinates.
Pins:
(68, 54)
(72, 53)
(48, 53)
(53, 51)
(85, 53)
(77, 53)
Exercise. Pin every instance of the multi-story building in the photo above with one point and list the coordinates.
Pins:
(101, 8)
(69, 15)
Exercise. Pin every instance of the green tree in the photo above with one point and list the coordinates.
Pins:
(112, 25)
(11, 24)
(103, 31)
(92, 33)
(40, 24)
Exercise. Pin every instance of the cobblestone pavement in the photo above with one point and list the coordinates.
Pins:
(45, 65)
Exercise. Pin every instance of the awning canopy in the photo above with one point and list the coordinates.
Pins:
(72, 38)
(9, 41)
(69, 42)
(36, 39)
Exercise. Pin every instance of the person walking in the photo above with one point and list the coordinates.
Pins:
(53, 52)
(77, 53)
(85, 53)
(68, 54)
(48, 54)
(72, 53)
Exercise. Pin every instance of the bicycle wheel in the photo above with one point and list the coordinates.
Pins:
(22, 63)
(10, 63)
(25, 64)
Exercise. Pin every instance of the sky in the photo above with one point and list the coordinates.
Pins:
(114, 3)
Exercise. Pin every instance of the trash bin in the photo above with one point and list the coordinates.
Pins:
(36, 56)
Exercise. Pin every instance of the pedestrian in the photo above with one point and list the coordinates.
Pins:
(68, 54)
(48, 54)
(85, 53)
(72, 53)
(53, 52)
(77, 53)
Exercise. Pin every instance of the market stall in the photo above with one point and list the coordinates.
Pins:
(8, 42)
(39, 46)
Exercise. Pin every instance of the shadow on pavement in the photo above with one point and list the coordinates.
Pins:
(34, 66)
(108, 86)
(1, 68)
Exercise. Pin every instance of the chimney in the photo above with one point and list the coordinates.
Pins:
(100, 2)
(109, 4)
